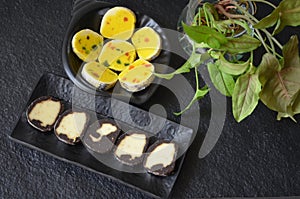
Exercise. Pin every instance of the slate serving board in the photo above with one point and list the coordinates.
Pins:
(64, 89)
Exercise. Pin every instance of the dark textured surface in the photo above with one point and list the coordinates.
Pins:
(258, 157)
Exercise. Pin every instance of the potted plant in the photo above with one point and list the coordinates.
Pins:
(227, 30)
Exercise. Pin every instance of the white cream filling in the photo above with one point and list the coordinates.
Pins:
(104, 130)
(132, 145)
(72, 125)
(46, 112)
(163, 154)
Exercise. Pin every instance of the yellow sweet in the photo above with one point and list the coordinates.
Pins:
(118, 23)
(87, 44)
(117, 55)
(137, 76)
(147, 43)
(98, 75)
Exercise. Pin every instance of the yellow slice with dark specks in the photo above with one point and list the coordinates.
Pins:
(117, 55)
(118, 23)
(87, 45)
(137, 76)
(98, 75)
(147, 43)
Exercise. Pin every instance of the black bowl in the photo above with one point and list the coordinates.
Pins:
(89, 15)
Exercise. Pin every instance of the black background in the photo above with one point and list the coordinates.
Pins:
(258, 157)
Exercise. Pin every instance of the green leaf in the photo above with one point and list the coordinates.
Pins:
(289, 13)
(245, 96)
(243, 44)
(296, 104)
(268, 60)
(268, 21)
(200, 93)
(223, 82)
(275, 93)
(290, 53)
(286, 14)
(194, 60)
(280, 83)
(205, 34)
(232, 68)
(285, 115)
(292, 110)
(281, 115)
(213, 42)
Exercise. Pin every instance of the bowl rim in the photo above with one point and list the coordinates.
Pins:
(76, 15)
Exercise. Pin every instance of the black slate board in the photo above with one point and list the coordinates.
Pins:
(64, 89)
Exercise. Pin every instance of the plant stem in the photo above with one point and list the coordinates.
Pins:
(273, 38)
(265, 2)
(229, 15)
(251, 57)
(206, 16)
(254, 20)
(272, 45)
(197, 79)
(275, 53)
(199, 17)
(194, 97)
(262, 40)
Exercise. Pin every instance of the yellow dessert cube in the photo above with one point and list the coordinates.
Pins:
(98, 75)
(87, 45)
(117, 55)
(137, 76)
(118, 23)
(147, 43)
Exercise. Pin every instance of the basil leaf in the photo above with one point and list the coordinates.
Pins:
(290, 53)
(289, 14)
(223, 82)
(268, 21)
(286, 14)
(232, 68)
(285, 115)
(280, 83)
(245, 96)
(264, 73)
(200, 93)
(205, 34)
(213, 42)
(292, 110)
(296, 104)
(243, 44)
(275, 93)
(194, 60)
